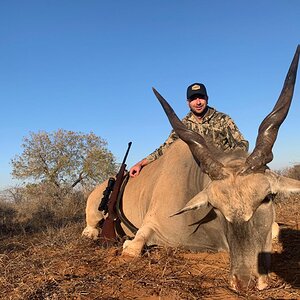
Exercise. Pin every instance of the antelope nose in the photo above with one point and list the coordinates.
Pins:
(242, 283)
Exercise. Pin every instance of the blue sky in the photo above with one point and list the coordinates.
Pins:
(90, 65)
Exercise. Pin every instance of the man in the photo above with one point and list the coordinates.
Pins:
(214, 126)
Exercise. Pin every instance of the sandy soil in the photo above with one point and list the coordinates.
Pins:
(59, 264)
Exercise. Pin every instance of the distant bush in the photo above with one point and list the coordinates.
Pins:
(8, 216)
(292, 172)
(36, 207)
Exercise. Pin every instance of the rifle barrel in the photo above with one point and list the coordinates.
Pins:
(126, 154)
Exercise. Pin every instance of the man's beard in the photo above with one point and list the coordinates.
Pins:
(199, 115)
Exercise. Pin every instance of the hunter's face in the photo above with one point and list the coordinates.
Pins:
(198, 104)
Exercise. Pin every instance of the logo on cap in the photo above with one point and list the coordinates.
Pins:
(196, 87)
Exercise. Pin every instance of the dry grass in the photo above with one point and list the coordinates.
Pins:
(40, 210)
(56, 263)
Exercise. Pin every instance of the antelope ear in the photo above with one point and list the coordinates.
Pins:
(283, 184)
(199, 201)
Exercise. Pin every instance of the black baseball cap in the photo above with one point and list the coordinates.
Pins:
(196, 89)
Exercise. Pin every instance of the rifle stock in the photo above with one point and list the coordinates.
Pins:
(108, 233)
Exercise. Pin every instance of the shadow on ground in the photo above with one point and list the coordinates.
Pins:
(287, 263)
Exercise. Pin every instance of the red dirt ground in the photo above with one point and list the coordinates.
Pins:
(59, 264)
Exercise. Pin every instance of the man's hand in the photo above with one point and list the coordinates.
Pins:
(136, 169)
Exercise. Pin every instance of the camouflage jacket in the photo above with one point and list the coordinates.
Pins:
(215, 126)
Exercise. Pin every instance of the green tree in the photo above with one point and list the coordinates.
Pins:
(64, 158)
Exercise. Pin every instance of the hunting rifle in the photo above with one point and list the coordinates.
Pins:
(108, 203)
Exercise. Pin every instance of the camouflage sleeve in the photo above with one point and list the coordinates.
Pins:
(234, 136)
(160, 151)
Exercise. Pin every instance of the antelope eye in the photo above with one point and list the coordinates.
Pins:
(268, 198)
